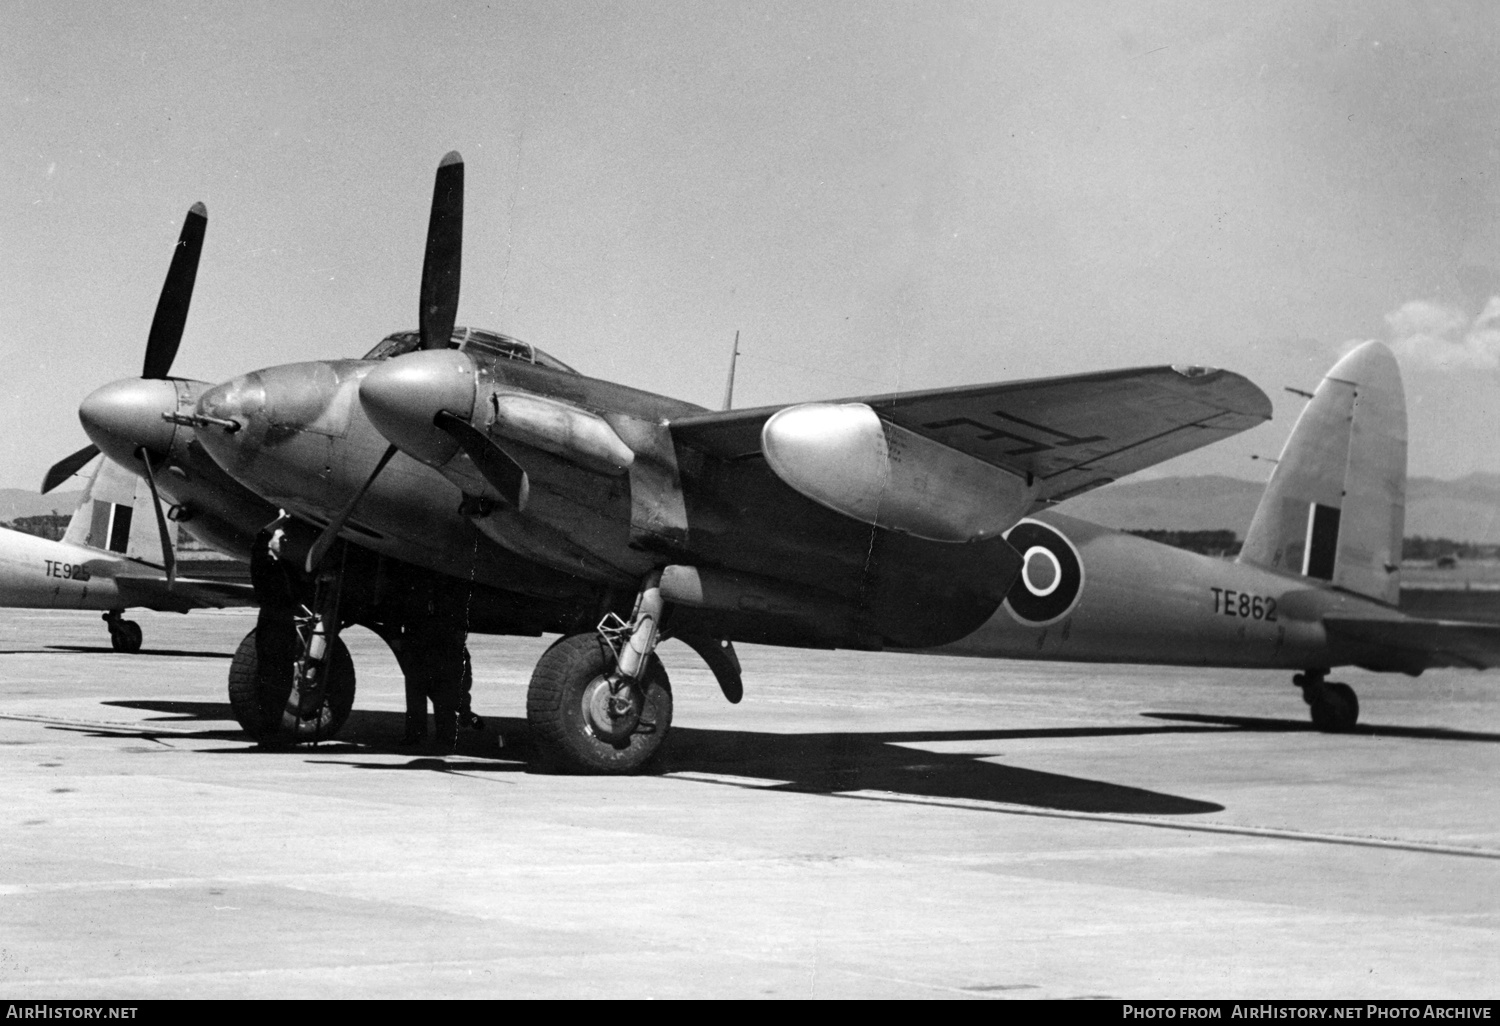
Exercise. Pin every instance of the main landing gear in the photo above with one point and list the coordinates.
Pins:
(601, 702)
(124, 635)
(1334, 706)
(292, 679)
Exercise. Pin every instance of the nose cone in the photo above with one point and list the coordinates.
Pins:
(241, 400)
(125, 415)
(403, 395)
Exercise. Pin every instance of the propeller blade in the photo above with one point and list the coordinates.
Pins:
(168, 557)
(67, 467)
(504, 473)
(176, 295)
(319, 550)
(445, 245)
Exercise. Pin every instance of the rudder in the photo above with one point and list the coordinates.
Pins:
(115, 514)
(1335, 507)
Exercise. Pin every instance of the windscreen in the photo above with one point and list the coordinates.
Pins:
(474, 340)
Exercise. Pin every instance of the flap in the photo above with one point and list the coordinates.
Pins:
(1072, 433)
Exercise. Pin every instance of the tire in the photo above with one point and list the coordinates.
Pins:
(258, 698)
(1335, 710)
(126, 637)
(567, 717)
(1349, 701)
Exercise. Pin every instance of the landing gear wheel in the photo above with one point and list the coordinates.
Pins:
(125, 637)
(259, 694)
(579, 726)
(1335, 708)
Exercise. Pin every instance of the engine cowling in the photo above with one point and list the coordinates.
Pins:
(844, 457)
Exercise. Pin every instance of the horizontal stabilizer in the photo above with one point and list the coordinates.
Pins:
(1422, 644)
(187, 593)
(1068, 434)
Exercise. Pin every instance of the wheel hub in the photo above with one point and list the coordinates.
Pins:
(611, 715)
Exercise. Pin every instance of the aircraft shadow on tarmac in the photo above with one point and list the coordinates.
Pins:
(1255, 723)
(144, 651)
(106, 650)
(823, 763)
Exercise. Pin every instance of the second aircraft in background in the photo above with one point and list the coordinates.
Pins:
(110, 558)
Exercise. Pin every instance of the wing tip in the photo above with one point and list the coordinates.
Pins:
(1242, 395)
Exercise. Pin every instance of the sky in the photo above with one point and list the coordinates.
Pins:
(877, 196)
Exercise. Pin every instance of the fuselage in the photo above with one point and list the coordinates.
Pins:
(1137, 601)
(37, 573)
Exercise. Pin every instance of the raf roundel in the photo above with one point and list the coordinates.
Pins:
(1051, 575)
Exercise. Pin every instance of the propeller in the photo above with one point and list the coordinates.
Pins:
(440, 278)
(168, 556)
(441, 264)
(68, 466)
(319, 550)
(504, 473)
(166, 327)
(176, 295)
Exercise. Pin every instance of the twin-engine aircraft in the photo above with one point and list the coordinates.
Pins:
(460, 480)
(110, 558)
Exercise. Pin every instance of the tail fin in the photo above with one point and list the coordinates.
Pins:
(115, 514)
(1335, 506)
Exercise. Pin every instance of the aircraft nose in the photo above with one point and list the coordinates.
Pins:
(240, 399)
(125, 415)
(403, 395)
(229, 420)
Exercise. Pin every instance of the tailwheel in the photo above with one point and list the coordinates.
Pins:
(1333, 704)
(586, 718)
(260, 683)
(124, 635)
(127, 639)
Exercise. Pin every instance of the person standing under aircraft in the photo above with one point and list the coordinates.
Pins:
(275, 630)
(435, 662)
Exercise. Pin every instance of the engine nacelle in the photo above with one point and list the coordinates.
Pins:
(846, 458)
(560, 428)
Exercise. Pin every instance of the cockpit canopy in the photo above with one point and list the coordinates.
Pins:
(474, 340)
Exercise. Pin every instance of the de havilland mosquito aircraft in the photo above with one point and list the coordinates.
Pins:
(111, 557)
(460, 480)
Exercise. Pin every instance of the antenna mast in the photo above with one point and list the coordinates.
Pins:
(729, 388)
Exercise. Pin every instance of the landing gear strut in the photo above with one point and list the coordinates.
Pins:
(1334, 706)
(124, 635)
(601, 702)
(292, 679)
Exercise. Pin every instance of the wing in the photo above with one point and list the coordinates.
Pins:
(1424, 643)
(1071, 434)
(187, 593)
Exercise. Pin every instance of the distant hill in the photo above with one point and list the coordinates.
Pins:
(1207, 503)
(20, 502)
(1467, 509)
